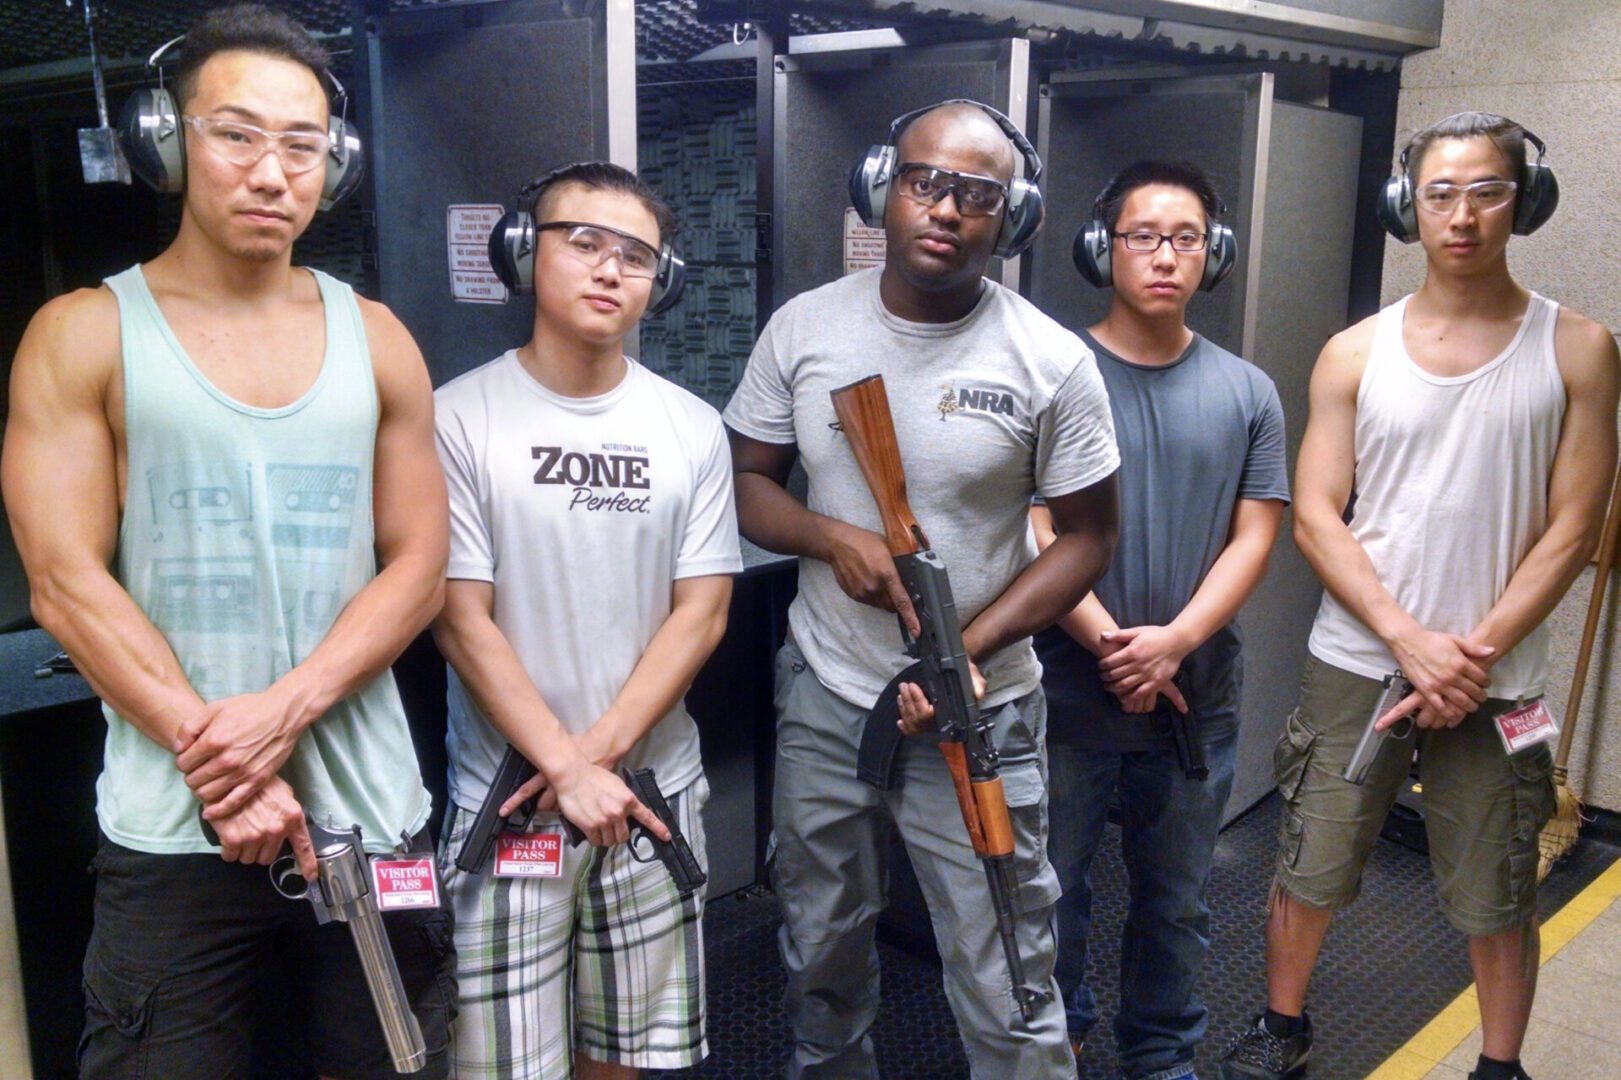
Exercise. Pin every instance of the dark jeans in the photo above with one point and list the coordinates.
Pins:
(1169, 826)
(175, 963)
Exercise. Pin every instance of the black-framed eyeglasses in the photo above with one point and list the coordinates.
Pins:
(1441, 197)
(976, 196)
(1185, 242)
(594, 245)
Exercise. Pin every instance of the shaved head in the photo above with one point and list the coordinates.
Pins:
(961, 128)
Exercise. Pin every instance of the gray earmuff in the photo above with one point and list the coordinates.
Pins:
(153, 142)
(512, 250)
(1093, 249)
(1021, 217)
(1534, 202)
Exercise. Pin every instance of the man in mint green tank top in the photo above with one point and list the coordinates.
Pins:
(221, 475)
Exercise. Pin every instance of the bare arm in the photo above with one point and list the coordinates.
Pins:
(60, 479)
(238, 743)
(666, 669)
(771, 517)
(595, 800)
(1583, 467)
(61, 492)
(1087, 621)
(1152, 655)
(1087, 523)
(1444, 668)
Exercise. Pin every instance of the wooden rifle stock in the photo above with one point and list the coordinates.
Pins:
(863, 410)
(864, 417)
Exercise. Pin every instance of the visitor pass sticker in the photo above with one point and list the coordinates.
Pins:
(537, 854)
(405, 881)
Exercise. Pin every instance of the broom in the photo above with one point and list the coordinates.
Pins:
(1560, 833)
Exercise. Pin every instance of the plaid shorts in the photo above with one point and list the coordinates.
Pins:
(606, 959)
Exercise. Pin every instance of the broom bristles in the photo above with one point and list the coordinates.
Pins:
(1559, 835)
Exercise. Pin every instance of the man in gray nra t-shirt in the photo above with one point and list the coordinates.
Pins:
(993, 402)
(1202, 491)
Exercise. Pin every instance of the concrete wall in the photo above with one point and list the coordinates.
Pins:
(1554, 66)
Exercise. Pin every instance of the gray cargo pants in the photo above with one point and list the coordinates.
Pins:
(829, 872)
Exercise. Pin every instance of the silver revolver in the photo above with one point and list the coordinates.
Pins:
(342, 892)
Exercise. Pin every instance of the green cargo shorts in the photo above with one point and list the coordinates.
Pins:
(1483, 808)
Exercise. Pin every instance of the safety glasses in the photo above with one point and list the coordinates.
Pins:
(977, 196)
(594, 245)
(243, 144)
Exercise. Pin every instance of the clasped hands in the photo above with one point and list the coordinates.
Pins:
(1450, 675)
(230, 751)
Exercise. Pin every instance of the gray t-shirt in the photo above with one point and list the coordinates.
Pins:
(1196, 435)
(989, 410)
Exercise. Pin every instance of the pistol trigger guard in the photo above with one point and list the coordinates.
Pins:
(285, 877)
(641, 846)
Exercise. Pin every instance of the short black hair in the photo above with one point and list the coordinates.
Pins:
(1112, 199)
(1505, 134)
(606, 176)
(251, 28)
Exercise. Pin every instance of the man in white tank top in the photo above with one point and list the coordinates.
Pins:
(1470, 428)
(239, 622)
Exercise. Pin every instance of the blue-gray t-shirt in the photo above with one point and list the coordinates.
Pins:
(1195, 436)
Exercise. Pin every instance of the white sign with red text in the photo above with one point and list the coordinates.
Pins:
(467, 232)
(863, 244)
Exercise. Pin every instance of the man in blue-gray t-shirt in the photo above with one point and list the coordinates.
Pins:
(1203, 487)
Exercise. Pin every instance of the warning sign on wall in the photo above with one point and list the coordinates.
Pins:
(467, 233)
(863, 245)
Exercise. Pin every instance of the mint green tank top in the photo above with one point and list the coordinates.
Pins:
(245, 532)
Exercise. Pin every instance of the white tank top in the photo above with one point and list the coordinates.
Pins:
(1451, 491)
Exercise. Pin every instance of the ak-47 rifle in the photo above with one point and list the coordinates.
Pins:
(941, 670)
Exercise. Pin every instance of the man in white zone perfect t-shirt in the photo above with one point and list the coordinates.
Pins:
(1470, 428)
(993, 402)
(593, 539)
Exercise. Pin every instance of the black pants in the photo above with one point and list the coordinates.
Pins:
(180, 948)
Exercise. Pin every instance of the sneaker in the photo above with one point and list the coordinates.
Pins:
(1258, 1054)
(1519, 1074)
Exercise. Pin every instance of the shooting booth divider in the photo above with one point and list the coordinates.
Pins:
(466, 105)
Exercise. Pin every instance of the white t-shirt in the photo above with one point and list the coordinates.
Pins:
(989, 410)
(583, 512)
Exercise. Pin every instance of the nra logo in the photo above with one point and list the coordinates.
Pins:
(986, 401)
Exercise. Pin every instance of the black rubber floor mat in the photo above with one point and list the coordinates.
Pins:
(1390, 964)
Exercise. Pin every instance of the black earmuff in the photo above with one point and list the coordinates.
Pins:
(1094, 246)
(512, 249)
(150, 135)
(1021, 217)
(1534, 201)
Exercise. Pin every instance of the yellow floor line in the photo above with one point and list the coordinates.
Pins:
(1453, 1024)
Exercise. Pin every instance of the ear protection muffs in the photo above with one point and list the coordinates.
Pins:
(153, 142)
(512, 249)
(1021, 216)
(1534, 202)
(1094, 246)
